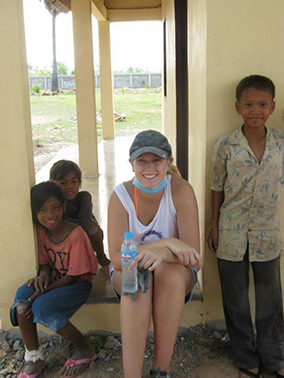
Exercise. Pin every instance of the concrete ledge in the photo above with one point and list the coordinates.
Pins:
(101, 291)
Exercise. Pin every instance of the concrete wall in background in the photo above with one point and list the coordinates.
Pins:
(137, 80)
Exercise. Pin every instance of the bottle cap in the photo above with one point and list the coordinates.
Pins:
(128, 235)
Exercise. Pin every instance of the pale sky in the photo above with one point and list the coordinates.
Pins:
(133, 44)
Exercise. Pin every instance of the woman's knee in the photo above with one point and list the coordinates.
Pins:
(174, 276)
(173, 271)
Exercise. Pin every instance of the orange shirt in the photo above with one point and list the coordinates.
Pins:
(74, 256)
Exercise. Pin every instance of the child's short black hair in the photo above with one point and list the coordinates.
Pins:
(62, 167)
(41, 193)
(255, 81)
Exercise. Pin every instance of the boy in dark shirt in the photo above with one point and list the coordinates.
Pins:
(79, 205)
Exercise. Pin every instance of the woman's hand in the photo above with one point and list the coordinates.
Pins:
(186, 254)
(212, 240)
(148, 258)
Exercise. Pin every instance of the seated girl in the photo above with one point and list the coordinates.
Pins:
(160, 209)
(79, 205)
(67, 265)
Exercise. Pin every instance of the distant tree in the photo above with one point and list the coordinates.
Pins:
(136, 70)
(139, 70)
(54, 12)
(62, 69)
(42, 72)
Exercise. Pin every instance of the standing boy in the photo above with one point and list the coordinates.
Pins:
(247, 176)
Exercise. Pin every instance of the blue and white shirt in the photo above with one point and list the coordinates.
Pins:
(249, 213)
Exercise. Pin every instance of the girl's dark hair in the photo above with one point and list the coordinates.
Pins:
(41, 193)
(255, 81)
(62, 167)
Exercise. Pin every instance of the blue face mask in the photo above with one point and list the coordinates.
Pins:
(150, 191)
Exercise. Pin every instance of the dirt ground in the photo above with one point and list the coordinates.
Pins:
(197, 354)
(44, 153)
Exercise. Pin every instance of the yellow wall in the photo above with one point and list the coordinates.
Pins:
(169, 102)
(17, 170)
(197, 25)
(228, 40)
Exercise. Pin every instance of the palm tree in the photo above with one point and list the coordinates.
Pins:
(54, 12)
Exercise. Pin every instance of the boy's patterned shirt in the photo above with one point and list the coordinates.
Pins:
(249, 213)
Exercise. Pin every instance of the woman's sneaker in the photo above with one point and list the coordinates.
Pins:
(158, 373)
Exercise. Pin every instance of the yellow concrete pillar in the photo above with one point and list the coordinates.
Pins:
(169, 101)
(106, 80)
(85, 87)
(17, 251)
(221, 52)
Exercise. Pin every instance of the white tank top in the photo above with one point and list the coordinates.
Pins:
(164, 224)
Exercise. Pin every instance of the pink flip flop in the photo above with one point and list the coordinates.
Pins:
(85, 362)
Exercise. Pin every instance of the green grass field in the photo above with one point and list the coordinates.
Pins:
(54, 117)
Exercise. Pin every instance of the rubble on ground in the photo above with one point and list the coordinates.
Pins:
(193, 345)
(118, 117)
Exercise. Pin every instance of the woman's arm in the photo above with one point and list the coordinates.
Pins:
(169, 250)
(184, 250)
(117, 226)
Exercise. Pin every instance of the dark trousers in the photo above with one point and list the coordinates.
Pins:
(234, 277)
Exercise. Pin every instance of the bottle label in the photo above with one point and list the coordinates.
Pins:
(126, 258)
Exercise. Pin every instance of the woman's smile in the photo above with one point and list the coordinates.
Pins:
(149, 177)
(150, 169)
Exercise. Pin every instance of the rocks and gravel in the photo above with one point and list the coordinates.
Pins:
(199, 352)
(193, 346)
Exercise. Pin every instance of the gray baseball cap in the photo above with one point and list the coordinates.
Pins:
(150, 142)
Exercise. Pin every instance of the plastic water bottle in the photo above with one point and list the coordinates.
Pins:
(128, 252)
